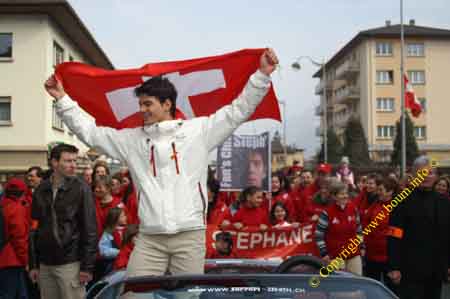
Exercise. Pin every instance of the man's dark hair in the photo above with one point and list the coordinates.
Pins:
(161, 88)
(62, 148)
(39, 171)
(249, 191)
(227, 238)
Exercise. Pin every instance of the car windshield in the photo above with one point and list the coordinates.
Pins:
(247, 286)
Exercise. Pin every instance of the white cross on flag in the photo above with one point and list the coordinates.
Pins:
(204, 85)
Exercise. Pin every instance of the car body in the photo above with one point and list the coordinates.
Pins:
(241, 278)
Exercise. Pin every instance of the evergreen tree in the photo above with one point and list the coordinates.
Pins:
(355, 143)
(334, 150)
(412, 149)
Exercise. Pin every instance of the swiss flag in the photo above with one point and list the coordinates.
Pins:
(204, 85)
(411, 101)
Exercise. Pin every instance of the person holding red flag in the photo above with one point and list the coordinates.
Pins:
(168, 161)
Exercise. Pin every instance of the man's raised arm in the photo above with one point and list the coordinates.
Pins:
(221, 124)
(109, 140)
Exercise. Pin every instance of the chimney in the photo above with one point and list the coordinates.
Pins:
(412, 22)
(388, 23)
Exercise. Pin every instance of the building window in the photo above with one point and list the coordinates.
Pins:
(385, 132)
(416, 77)
(385, 77)
(5, 111)
(56, 120)
(420, 132)
(58, 54)
(416, 50)
(385, 104)
(5, 45)
(384, 49)
(423, 103)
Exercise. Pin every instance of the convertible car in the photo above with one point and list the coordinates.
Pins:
(295, 277)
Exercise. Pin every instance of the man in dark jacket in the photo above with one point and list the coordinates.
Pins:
(14, 250)
(418, 246)
(65, 249)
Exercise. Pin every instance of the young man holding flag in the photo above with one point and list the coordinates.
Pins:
(168, 161)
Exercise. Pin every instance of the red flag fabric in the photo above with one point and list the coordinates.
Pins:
(204, 85)
(411, 101)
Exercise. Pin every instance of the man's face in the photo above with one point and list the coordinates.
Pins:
(255, 200)
(430, 178)
(275, 184)
(101, 191)
(256, 170)
(67, 164)
(100, 171)
(442, 187)
(341, 198)
(115, 188)
(87, 176)
(371, 185)
(152, 110)
(307, 178)
(221, 246)
(32, 179)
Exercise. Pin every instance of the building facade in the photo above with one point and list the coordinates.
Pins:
(363, 80)
(284, 157)
(35, 36)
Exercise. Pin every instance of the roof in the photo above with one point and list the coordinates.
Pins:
(277, 148)
(68, 21)
(391, 31)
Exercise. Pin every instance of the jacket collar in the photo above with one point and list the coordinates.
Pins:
(66, 184)
(164, 127)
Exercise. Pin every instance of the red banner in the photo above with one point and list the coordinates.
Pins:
(272, 243)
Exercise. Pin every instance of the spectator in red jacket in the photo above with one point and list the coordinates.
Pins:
(281, 194)
(279, 216)
(377, 233)
(223, 247)
(127, 247)
(251, 213)
(14, 254)
(116, 187)
(306, 195)
(339, 225)
(216, 208)
(129, 198)
(320, 202)
(367, 197)
(104, 201)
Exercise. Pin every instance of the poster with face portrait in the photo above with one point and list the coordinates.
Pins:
(244, 161)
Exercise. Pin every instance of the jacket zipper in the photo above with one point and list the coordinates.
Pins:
(175, 157)
(203, 202)
(152, 160)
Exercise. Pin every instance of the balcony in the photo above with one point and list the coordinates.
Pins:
(318, 131)
(319, 87)
(347, 94)
(318, 110)
(347, 70)
(341, 121)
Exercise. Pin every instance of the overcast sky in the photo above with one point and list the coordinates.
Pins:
(136, 32)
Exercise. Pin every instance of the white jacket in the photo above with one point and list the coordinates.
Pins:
(170, 201)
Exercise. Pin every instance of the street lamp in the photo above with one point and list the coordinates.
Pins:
(284, 131)
(296, 66)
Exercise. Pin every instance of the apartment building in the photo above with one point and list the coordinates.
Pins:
(35, 36)
(363, 79)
